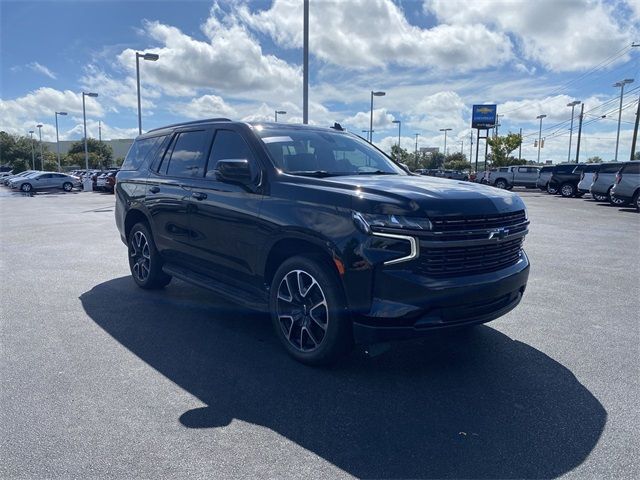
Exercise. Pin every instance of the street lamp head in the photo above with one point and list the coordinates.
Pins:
(152, 57)
(574, 103)
(31, 131)
(541, 116)
(281, 112)
(445, 129)
(395, 121)
(39, 125)
(61, 113)
(378, 94)
(624, 82)
(90, 94)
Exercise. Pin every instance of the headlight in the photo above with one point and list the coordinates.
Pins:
(368, 221)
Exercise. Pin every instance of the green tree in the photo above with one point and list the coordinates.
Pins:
(501, 147)
(100, 154)
(637, 156)
(16, 151)
(595, 159)
(457, 161)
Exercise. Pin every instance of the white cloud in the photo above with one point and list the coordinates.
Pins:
(206, 106)
(117, 92)
(381, 120)
(561, 35)
(375, 33)
(37, 67)
(230, 61)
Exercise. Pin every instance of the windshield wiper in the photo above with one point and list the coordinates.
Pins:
(313, 173)
(377, 172)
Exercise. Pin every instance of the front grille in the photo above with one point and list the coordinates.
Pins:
(458, 261)
(477, 222)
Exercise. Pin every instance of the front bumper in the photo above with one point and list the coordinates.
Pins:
(407, 305)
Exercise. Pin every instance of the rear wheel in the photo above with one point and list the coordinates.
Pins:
(145, 262)
(500, 183)
(599, 197)
(551, 189)
(67, 186)
(309, 312)
(567, 190)
(636, 200)
(26, 187)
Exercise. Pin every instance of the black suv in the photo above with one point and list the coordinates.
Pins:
(565, 178)
(319, 228)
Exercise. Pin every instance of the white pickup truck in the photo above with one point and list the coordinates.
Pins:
(516, 176)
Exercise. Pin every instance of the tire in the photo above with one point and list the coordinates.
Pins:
(303, 285)
(598, 197)
(617, 202)
(145, 262)
(567, 190)
(552, 190)
(67, 186)
(500, 183)
(26, 187)
(636, 201)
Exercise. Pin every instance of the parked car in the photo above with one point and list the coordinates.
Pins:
(321, 230)
(45, 180)
(452, 174)
(586, 177)
(481, 176)
(6, 173)
(110, 181)
(626, 188)
(603, 180)
(543, 177)
(514, 176)
(8, 179)
(565, 178)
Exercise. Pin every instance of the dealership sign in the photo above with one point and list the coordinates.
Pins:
(484, 116)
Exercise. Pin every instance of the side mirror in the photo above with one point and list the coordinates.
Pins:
(234, 170)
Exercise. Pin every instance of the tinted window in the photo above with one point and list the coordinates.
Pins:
(610, 167)
(188, 155)
(579, 169)
(632, 168)
(227, 145)
(503, 169)
(591, 168)
(139, 151)
(546, 169)
(565, 168)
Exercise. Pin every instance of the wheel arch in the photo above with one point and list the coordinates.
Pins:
(134, 216)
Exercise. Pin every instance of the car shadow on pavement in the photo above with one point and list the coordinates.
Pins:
(473, 405)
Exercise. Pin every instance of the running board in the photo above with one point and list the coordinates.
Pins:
(250, 298)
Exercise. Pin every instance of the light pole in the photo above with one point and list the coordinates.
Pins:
(540, 117)
(399, 130)
(416, 154)
(87, 179)
(373, 94)
(39, 126)
(33, 151)
(573, 107)
(57, 138)
(152, 57)
(620, 84)
(279, 112)
(445, 130)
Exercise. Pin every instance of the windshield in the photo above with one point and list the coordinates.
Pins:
(314, 152)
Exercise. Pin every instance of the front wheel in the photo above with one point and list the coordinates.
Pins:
(617, 202)
(67, 186)
(599, 197)
(26, 187)
(145, 262)
(309, 312)
(501, 184)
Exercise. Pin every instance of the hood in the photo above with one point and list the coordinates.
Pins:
(422, 196)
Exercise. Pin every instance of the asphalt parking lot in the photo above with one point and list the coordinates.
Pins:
(102, 379)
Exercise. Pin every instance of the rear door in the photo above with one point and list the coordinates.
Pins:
(226, 236)
(169, 191)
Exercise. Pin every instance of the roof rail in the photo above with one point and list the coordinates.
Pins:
(194, 122)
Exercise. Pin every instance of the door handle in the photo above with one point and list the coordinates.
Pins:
(154, 189)
(199, 195)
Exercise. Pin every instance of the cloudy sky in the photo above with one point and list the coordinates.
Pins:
(243, 59)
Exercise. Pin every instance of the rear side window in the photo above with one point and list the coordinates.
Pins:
(631, 168)
(189, 154)
(591, 168)
(579, 169)
(546, 169)
(140, 151)
(227, 145)
(565, 168)
(610, 167)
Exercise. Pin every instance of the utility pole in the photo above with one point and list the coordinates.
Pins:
(579, 133)
(635, 132)
(620, 84)
(520, 147)
(540, 117)
(462, 146)
(573, 106)
(470, 146)
(305, 64)
(497, 124)
(416, 154)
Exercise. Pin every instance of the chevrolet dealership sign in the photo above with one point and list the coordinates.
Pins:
(484, 116)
